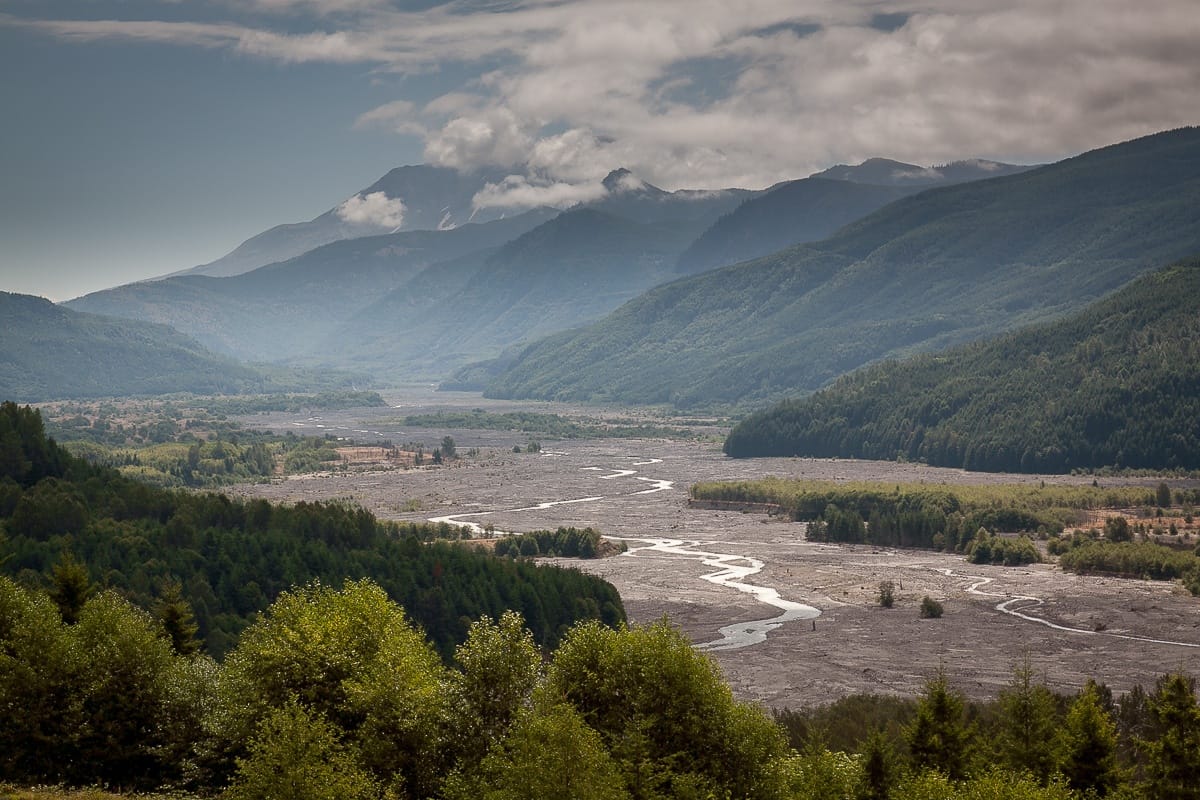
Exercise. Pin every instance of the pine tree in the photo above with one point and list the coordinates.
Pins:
(1173, 758)
(1029, 737)
(1090, 760)
(938, 737)
(71, 587)
(879, 768)
(175, 614)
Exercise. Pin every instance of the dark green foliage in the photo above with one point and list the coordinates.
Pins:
(955, 519)
(681, 728)
(232, 557)
(1090, 754)
(1135, 560)
(1173, 753)
(939, 737)
(564, 542)
(887, 594)
(847, 723)
(175, 615)
(53, 352)
(930, 608)
(1029, 737)
(880, 768)
(70, 587)
(929, 271)
(551, 425)
(988, 549)
(1162, 495)
(1116, 529)
(1117, 384)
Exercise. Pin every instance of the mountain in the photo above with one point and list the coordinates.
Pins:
(425, 302)
(51, 352)
(629, 196)
(285, 310)
(935, 269)
(424, 197)
(885, 172)
(419, 197)
(1117, 384)
(570, 270)
(813, 208)
(805, 210)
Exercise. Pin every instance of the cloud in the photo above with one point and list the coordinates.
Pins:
(712, 93)
(492, 138)
(375, 209)
(399, 116)
(518, 191)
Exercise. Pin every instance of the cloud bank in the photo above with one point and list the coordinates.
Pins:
(713, 93)
(375, 209)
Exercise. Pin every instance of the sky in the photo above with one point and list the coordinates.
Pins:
(142, 137)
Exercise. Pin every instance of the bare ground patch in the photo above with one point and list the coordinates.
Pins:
(638, 489)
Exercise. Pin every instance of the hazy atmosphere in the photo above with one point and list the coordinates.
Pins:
(143, 138)
(599, 399)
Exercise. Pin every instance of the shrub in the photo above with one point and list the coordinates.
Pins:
(887, 594)
(930, 608)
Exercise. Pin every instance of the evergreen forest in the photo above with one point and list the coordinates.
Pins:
(1116, 385)
(67, 523)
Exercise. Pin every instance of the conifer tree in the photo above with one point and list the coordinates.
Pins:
(1090, 758)
(1173, 758)
(938, 738)
(71, 587)
(1029, 737)
(175, 614)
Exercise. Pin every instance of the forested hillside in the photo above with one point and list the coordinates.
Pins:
(228, 559)
(51, 352)
(929, 271)
(806, 210)
(1117, 385)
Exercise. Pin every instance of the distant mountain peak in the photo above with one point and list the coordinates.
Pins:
(887, 172)
(621, 180)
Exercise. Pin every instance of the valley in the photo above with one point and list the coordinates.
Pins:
(792, 623)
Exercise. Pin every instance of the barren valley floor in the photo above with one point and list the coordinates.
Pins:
(1120, 631)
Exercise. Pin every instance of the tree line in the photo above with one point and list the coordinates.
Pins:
(230, 558)
(1027, 742)
(336, 693)
(562, 542)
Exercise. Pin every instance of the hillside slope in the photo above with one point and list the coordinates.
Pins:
(571, 270)
(1117, 384)
(52, 352)
(284, 310)
(432, 198)
(936, 269)
(806, 210)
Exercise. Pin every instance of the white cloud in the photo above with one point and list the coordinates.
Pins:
(399, 116)
(518, 191)
(574, 88)
(375, 209)
(494, 137)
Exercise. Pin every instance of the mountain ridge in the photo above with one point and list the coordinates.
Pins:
(52, 353)
(931, 270)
